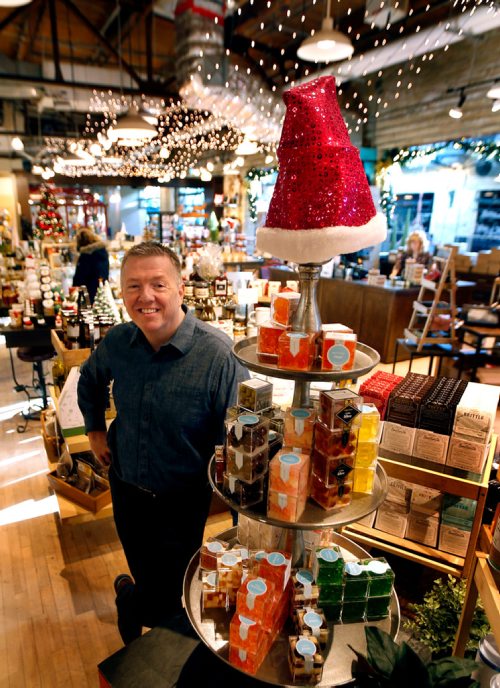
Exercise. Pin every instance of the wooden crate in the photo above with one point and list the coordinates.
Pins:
(95, 501)
(69, 357)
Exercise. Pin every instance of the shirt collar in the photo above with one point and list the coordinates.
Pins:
(183, 336)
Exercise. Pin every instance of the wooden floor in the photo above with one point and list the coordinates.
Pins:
(57, 612)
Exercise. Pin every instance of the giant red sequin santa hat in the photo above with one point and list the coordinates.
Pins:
(322, 205)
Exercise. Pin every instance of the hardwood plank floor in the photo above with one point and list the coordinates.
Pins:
(57, 610)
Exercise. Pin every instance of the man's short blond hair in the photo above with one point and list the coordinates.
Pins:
(147, 249)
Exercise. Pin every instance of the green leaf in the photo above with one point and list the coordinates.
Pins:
(444, 671)
(382, 650)
(409, 670)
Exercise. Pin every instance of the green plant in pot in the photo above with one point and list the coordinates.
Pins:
(389, 665)
(436, 620)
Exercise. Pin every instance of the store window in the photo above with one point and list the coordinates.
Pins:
(487, 229)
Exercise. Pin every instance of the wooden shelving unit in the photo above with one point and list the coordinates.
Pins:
(415, 551)
(481, 583)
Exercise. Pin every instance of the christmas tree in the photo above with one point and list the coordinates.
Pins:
(49, 223)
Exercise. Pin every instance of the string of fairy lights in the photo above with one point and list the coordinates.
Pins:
(186, 134)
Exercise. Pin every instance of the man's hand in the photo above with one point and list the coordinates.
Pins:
(99, 445)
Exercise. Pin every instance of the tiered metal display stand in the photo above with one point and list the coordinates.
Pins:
(213, 626)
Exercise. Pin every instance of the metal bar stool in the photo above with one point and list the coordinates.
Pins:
(35, 355)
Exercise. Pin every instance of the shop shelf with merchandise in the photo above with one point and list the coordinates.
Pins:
(447, 484)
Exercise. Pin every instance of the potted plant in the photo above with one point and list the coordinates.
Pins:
(435, 621)
(389, 665)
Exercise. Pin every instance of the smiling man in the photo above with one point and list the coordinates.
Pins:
(173, 379)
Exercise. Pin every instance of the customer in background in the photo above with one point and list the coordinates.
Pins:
(173, 378)
(417, 247)
(93, 261)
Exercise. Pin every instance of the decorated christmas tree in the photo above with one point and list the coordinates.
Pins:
(49, 223)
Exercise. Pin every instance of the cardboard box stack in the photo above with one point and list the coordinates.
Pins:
(472, 429)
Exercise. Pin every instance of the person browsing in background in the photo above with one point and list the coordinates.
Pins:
(173, 379)
(417, 247)
(93, 261)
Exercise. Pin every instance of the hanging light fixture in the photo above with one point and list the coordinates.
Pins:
(327, 44)
(132, 128)
(494, 92)
(456, 112)
(14, 3)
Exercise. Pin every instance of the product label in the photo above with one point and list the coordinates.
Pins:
(285, 461)
(300, 416)
(255, 588)
(467, 456)
(244, 626)
(211, 579)
(378, 567)
(276, 559)
(338, 355)
(430, 446)
(214, 547)
(314, 621)
(307, 649)
(329, 555)
(348, 414)
(229, 560)
(352, 568)
(294, 342)
(238, 459)
(282, 500)
(341, 472)
(306, 579)
(398, 438)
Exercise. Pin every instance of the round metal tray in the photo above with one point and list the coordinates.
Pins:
(314, 516)
(213, 627)
(365, 359)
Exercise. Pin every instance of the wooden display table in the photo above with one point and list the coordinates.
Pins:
(482, 583)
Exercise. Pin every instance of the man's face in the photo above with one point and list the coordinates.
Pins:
(152, 294)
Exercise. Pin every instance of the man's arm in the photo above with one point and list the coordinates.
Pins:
(93, 394)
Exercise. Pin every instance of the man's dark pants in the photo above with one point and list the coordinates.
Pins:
(159, 534)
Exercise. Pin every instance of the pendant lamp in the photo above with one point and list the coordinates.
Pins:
(327, 44)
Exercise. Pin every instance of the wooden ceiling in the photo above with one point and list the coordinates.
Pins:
(90, 33)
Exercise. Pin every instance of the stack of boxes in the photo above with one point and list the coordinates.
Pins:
(247, 444)
(367, 450)
(262, 607)
(457, 519)
(283, 307)
(402, 416)
(435, 422)
(472, 429)
(335, 440)
(377, 389)
(288, 486)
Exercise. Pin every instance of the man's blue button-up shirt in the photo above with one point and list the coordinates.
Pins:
(170, 404)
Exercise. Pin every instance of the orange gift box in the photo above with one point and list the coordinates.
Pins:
(257, 600)
(283, 307)
(335, 443)
(330, 497)
(289, 472)
(286, 507)
(246, 634)
(276, 567)
(338, 351)
(267, 339)
(299, 424)
(296, 350)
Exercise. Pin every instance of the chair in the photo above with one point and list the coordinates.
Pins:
(35, 355)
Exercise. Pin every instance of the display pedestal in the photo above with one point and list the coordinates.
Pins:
(213, 627)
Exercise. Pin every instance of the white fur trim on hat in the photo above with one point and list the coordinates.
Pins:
(320, 245)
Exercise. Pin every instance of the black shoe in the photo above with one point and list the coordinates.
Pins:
(129, 626)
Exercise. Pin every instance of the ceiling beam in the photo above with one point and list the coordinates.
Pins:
(27, 42)
(13, 16)
(95, 31)
(155, 90)
(149, 19)
(55, 40)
